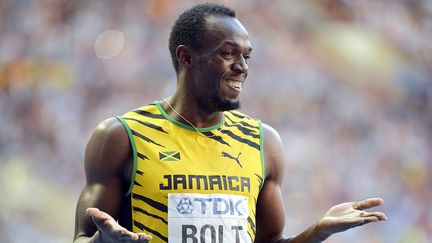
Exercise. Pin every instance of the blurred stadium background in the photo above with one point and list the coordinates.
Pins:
(347, 83)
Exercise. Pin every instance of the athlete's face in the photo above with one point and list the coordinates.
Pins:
(222, 64)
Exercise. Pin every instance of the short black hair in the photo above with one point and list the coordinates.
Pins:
(191, 24)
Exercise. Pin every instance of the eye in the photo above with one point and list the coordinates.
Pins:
(228, 54)
(246, 57)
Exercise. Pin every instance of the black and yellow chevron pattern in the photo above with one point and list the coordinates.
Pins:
(171, 157)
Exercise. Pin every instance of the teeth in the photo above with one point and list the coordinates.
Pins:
(235, 84)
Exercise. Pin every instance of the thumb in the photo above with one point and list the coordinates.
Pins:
(102, 220)
(93, 212)
(97, 214)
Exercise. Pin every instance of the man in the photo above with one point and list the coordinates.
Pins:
(190, 168)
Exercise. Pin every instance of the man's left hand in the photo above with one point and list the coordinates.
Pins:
(349, 215)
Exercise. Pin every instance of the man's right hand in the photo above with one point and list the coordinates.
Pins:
(111, 232)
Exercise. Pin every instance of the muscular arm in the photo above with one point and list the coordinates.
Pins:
(106, 155)
(270, 209)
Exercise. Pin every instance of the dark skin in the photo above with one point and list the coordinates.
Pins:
(222, 65)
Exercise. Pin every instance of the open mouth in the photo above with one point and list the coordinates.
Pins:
(235, 84)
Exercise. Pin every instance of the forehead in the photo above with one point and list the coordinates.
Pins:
(220, 30)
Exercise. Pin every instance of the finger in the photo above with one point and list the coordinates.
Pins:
(378, 215)
(125, 235)
(144, 237)
(358, 221)
(368, 203)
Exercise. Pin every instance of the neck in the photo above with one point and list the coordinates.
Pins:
(190, 111)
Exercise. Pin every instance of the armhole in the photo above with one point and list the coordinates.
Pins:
(262, 150)
(134, 152)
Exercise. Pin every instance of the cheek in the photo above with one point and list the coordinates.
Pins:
(219, 65)
(211, 74)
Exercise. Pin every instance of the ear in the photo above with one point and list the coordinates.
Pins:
(184, 55)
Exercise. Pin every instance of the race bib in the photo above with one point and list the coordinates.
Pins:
(207, 218)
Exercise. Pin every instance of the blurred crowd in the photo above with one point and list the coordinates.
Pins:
(347, 83)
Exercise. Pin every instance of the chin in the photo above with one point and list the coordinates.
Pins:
(226, 105)
(215, 103)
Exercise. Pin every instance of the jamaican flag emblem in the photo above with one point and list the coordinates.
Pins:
(169, 156)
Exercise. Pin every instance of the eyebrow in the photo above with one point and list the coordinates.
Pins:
(233, 43)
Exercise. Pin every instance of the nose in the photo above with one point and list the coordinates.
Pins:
(240, 65)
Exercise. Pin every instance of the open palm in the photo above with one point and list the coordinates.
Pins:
(110, 231)
(349, 215)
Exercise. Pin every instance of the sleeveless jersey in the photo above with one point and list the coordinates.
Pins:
(190, 186)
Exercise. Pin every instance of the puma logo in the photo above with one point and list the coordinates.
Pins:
(229, 156)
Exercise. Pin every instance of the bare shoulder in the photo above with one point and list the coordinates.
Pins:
(107, 150)
(273, 153)
(110, 127)
(271, 136)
